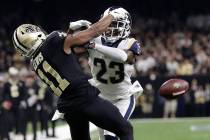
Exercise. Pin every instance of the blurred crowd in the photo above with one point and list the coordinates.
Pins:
(174, 53)
(172, 47)
(24, 99)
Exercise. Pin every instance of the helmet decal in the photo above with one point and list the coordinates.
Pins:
(27, 38)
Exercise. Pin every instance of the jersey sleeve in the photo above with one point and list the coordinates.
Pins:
(135, 48)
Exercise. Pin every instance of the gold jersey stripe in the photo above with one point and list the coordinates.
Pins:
(130, 42)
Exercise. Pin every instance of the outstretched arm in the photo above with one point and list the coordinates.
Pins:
(92, 32)
(121, 55)
(88, 34)
(114, 53)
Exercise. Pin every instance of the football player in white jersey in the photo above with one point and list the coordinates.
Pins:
(107, 59)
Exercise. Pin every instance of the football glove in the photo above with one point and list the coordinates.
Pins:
(78, 24)
(117, 13)
(57, 115)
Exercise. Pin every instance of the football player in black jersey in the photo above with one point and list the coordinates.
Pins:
(57, 66)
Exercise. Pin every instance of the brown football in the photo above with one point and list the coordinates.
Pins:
(173, 88)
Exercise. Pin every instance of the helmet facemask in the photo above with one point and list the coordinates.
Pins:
(118, 29)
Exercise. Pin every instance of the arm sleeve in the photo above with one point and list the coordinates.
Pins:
(114, 53)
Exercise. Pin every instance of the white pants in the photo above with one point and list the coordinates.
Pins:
(126, 107)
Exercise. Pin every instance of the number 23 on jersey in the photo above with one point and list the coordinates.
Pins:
(118, 67)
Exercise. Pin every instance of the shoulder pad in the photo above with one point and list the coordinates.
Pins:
(131, 41)
(135, 47)
(127, 43)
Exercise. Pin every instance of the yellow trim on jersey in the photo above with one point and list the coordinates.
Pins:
(130, 42)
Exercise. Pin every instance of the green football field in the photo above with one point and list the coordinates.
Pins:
(171, 129)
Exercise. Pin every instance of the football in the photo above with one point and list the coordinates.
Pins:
(173, 88)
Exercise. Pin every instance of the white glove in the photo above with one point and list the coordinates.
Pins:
(78, 24)
(57, 115)
(118, 13)
(136, 89)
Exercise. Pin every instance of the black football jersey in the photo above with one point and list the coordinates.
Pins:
(14, 93)
(60, 71)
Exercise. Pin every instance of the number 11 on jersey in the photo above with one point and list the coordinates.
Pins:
(63, 83)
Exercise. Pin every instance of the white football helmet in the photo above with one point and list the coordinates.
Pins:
(119, 28)
(27, 38)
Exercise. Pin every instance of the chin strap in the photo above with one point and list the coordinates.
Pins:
(114, 53)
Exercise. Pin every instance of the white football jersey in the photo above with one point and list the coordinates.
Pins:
(110, 76)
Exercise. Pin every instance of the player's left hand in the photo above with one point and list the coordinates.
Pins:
(78, 24)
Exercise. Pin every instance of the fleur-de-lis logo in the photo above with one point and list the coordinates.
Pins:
(177, 85)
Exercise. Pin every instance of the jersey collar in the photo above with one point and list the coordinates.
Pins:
(114, 45)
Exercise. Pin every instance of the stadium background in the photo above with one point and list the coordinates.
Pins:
(174, 36)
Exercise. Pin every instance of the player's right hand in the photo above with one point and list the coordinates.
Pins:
(117, 13)
(78, 24)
